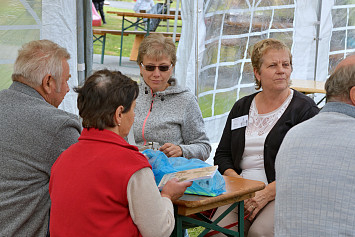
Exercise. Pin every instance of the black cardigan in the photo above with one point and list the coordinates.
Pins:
(231, 147)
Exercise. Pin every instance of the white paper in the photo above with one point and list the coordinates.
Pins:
(239, 122)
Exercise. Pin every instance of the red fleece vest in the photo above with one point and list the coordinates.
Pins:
(88, 186)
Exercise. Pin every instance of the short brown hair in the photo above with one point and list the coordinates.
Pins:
(260, 49)
(100, 96)
(156, 46)
(338, 85)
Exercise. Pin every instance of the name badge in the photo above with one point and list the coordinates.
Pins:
(239, 122)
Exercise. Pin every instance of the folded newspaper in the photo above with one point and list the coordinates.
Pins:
(190, 175)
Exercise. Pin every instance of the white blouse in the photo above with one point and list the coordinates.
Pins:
(259, 126)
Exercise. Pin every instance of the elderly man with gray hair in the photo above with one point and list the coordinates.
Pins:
(315, 166)
(34, 132)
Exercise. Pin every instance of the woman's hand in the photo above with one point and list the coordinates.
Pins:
(171, 150)
(174, 189)
(232, 173)
(253, 205)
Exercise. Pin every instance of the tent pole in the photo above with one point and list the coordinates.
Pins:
(80, 40)
(196, 51)
(176, 19)
(168, 13)
(88, 53)
(319, 15)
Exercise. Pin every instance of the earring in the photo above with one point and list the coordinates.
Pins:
(119, 124)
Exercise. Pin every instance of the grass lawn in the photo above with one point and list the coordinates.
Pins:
(194, 232)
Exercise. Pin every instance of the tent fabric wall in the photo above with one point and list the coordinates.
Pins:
(59, 25)
(232, 27)
(304, 43)
(20, 22)
(185, 70)
(68, 23)
(27, 20)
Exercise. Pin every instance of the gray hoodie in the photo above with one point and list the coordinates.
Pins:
(171, 116)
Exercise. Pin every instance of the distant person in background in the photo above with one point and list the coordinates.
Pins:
(99, 5)
(143, 5)
(315, 166)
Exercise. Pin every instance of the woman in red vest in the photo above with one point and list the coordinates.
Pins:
(102, 186)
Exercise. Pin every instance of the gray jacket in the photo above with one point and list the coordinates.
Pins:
(171, 116)
(315, 173)
(33, 134)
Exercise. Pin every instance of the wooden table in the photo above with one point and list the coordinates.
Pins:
(237, 190)
(99, 35)
(308, 86)
(140, 18)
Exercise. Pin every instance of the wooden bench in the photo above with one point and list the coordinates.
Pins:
(100, 36)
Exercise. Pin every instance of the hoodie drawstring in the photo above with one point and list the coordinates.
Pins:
(145, 120)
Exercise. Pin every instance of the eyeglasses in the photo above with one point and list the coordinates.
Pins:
(162, 68)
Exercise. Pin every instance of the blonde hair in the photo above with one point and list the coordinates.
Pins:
(156, 46)
(260, 49)
(38, 58)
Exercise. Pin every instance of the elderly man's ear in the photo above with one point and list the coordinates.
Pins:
(48, 84)
(352, 95)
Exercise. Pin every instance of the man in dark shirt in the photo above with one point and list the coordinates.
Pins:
(99, 5)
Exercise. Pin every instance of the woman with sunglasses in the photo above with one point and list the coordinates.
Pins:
(166, 113)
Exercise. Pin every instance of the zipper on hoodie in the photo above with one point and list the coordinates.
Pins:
(145, 120)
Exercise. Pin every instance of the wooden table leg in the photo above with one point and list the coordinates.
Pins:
(134, 52)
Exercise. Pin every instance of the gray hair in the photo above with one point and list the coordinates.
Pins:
(338, 85)
(38, 58)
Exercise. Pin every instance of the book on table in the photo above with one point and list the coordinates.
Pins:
(189, 175)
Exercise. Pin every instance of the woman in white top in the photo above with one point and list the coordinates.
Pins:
(255, 129)
(143, 5)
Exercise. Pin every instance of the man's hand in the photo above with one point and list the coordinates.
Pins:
(171, 150)
(174, 189)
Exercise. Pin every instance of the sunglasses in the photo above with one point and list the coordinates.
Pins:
(162, 68)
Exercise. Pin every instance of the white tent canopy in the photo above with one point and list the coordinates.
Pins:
(319, 33)
(59, 25)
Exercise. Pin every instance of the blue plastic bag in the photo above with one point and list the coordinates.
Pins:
(162, 165)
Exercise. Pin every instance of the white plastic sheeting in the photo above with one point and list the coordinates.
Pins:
(227, 29)
(20, 22)
(59, 25)
(24, 20)
(192, 35)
